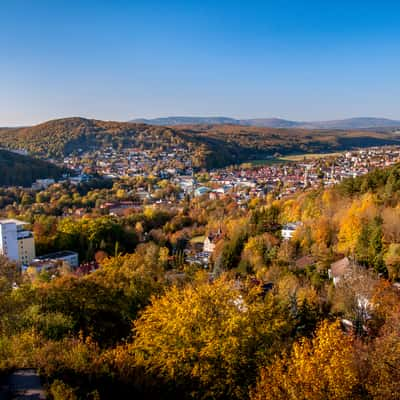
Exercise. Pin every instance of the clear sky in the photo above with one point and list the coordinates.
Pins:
(115, 59)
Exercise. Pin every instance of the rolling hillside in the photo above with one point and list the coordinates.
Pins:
(251, 143)
(19, 170)
(209, 145)
(62, 137)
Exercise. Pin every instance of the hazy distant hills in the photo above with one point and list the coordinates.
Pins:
(174, 121)
(353, 123)
(210, 144)
(350, 123)
(171, 121)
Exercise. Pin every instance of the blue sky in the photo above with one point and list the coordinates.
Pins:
(115, 59)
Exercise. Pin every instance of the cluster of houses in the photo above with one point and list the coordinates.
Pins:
(42, 184)
(288, 178)
(200, 252)
(241, 183)
(130, 162)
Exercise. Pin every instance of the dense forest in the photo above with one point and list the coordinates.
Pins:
(264, 321)
(209, 145)
(20, 170)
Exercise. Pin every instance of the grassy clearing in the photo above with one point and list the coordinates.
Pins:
(260, 163)
(290, 158)
(301, 157)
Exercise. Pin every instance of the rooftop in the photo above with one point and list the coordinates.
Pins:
(58, 254)
(340, 267)
(13, 221)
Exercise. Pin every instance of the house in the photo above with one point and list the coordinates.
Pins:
(122, 208)
(339, 269)
(210, 242)
(201, 190)
(186, 184)
(224, 189)
(42, 183)
(80, 212)
(304, 262)
(69, 257)
(289, 229)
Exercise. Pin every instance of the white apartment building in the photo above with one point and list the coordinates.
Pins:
(16, 243)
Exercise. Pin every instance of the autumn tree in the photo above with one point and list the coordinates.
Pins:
(352, 296)
(321, 368)
(207, 339)
(259, 252)
(362, 211)
(391, 224)
(9, 273)
(392, 261)
(266, 219)
(384, 360)
(93, 307)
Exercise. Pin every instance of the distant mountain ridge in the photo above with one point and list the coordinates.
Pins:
(187, 121)
(349, 123)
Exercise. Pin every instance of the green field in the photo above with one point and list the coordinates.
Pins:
(260, 163)
(301, 157)
(291, 158)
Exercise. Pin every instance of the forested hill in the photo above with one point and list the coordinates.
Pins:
(62, 137)
(258, 142)
(19, 170)
(208, 145)
(384, 182)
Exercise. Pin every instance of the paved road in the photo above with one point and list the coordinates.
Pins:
(23, 384)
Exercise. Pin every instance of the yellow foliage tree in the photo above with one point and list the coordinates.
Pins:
(349, 231)
(330, 201)
(208, 338)
(291, 211)
(318, 369)
(361, 211)
(255, 250)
